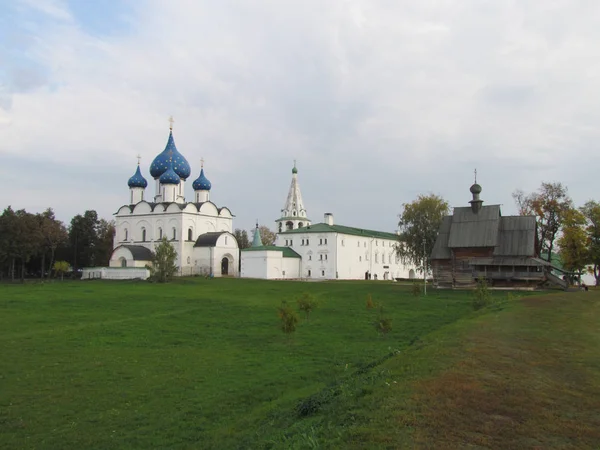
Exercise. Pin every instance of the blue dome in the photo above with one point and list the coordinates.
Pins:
(201, 183)
(161, 163)
(169, 176)
(137, 180)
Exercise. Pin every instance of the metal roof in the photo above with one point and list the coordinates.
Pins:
(516, 236)
(209, 239)
(286, 251)
(341, 229)
(138, 252)
(508, 261)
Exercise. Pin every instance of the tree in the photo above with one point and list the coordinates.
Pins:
(420, 222)
(267, 236)
(549, 204)
(105, 233)
(61, 267)
(54, 233)
(307, 304)
(288, 318)
(8, 243)
(27, 238)
(591, 211)
(163, 262)
(83, 239)
(242, 238)
(573, 242)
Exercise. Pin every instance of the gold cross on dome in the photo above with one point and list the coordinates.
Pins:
(202, 163)
(171, 122)
(475, 176)
(139, 157)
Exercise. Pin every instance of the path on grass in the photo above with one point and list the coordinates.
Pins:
(526, 378)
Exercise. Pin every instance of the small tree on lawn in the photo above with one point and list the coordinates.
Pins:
(288, 317)
(61, 267)
(307, 304)
(383, 324)
(370, 304)
(163, 262)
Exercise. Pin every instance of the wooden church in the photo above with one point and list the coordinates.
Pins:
(477, 242)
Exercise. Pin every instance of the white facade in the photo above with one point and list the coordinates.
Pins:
(269, 264)
(114, 273)
(336, 252)
(293, 214)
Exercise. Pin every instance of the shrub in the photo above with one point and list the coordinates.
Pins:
(382, 324)
(416, 289)
(370, 304)
(482, 296)
(61, 267)
(288, 318)
(307, 304)
(163, 262)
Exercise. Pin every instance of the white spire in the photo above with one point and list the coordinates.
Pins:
(293, 214)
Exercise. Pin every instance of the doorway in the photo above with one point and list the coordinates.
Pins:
(225, 266)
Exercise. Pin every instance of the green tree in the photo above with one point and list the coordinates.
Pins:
(307, 304)
(266, 235)
(419, 223)
(27, 238)
(549, 204)
(83, 239)
(105, 233)
(288, 318)
(573, 242)
(9, 225)
(242, 238)
(591, 211)
(61, 267)
(163, 262)
(383, 323)
(54, 233)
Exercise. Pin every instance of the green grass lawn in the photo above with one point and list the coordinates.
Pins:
(196, 363)
(203, 364)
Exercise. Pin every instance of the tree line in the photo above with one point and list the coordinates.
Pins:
(563, 229)
(30, 244)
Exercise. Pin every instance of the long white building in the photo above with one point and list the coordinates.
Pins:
(322, 251)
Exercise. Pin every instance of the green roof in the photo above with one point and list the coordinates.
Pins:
(324, 228)
(287, 252)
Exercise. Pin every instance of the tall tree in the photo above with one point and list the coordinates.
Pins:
(242, 238)
(83, 239)
(549, 204)
(419, 224)
(163, 261)
(591, 211)
(9, 225)
(27, 238)
(266, 235)
(573, 242)
(104, 247)
(54, 233)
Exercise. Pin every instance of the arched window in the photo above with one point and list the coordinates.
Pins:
(188, 260)
(289, 225)
(300, 224)
(294, 213)
(143, 234)
(160, 233)
(280, 227)
(126, 234)
(123, 262)
(174, 233)
(189, 234)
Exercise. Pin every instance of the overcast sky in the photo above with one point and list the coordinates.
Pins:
(377, 100)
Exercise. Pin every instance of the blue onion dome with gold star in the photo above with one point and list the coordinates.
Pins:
(201, 183)
(169, 176)
(137, 180)
(161, 162)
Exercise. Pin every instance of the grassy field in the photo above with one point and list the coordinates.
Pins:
(202, 364)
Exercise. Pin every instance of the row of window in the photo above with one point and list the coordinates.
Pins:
(290, 242)
(390, 244)
(309, 273)
(190, 236)
(382, 258)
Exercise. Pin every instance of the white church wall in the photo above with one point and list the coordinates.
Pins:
(113, 273)
(291, 267)
(254, 264)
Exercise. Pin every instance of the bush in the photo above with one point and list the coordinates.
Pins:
(288, 318)
(382, 324)
(482, 296)
(416, 289)
(307, 304)
(370, 304)
(163, 262)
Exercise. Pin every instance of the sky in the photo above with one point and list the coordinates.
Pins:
(379, 101)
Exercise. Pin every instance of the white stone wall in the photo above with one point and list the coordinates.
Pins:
(113, 273)
(332, 255)
(269, 264)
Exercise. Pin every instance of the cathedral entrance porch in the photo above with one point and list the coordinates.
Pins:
(224, 266)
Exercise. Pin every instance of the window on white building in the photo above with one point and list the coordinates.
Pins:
(320, 257)
(343, 245)
(376, 258)
(325, 241)
(143, 234)
(321, 241)
(310, 257)
(325, 257)
(359, 258)
(307, 243)
(309, 272)
(322, 273)
(364, 244)
(190, 237)
(160, 233)
(126, 234)
(174, 233)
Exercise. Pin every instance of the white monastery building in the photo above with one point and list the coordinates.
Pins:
(200, 231)
(323, 251)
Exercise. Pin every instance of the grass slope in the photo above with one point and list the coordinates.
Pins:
(193, 364)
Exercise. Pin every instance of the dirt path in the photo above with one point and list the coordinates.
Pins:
(530, 380)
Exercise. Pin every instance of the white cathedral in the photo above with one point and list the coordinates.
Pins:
(201, 233)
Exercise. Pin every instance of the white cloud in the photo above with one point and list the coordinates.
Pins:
(377, 100)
